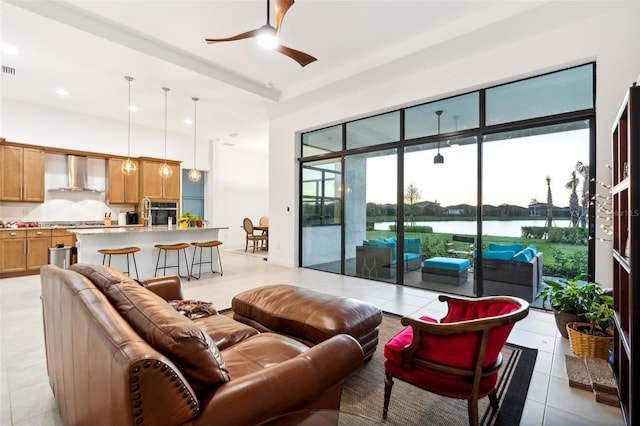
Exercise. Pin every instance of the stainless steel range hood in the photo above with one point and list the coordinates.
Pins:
(77, 172)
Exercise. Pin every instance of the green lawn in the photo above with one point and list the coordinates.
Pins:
(563, 260)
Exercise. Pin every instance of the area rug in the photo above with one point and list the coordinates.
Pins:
(363, 391)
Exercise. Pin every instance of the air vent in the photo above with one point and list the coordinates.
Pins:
(8, 70)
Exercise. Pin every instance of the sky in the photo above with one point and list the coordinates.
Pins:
(515, 171)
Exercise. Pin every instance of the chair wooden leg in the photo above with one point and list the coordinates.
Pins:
(246, 244)
(473, 411)
(388, 384)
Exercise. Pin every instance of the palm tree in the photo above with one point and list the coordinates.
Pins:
(574, 206)
(549, 222)
(583, 169)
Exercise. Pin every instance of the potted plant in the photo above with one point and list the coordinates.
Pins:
(594, 337)
(188, 219)
(568, 299)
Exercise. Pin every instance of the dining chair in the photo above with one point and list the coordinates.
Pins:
(247, 224)
(458, 357)
(263, 222)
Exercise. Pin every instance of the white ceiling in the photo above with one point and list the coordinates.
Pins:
(88, 47)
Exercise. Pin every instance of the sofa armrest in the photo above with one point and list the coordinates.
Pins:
(289, 386)
(168, 287)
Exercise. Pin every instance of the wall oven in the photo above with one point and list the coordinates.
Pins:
(161, 212)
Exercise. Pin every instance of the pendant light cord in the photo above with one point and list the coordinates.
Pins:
(166, 91)
(195, 128)
(129, 79)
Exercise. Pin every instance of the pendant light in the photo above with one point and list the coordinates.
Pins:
(194, 174)
(438, 159)
(165, 171)
(129, 167)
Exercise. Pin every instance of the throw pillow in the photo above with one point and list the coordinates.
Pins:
(193, 309)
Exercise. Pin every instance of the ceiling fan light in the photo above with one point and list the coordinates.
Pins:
(268, 41)
(268, 37)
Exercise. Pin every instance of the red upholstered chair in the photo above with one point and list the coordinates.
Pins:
(459, 356)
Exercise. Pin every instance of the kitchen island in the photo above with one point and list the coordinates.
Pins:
(89, 241)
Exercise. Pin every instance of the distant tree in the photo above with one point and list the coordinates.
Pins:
(583, 169)
(574, 206)
(549, 222)
(412, 195)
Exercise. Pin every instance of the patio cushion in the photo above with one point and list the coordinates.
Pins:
(515, 247)
(523, 256)
(448, 263)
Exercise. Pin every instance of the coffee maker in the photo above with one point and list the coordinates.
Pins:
(132, 218)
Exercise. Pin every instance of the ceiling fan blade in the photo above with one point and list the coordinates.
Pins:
(300, 57)
(281, 7)
(242, 36)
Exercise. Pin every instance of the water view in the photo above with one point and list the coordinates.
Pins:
(506, 228)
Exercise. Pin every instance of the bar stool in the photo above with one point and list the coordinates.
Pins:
(172, 247)
(210, 245)
(116, 252)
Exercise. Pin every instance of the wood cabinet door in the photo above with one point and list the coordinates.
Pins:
(11, 182)
(172, 184)
(62, 236)
(123, 189)
(132, 186)
(115, 182)
(13, 252)
(33, 175)
(38, 251)
(150, 180)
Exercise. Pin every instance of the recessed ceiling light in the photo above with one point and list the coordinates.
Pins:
(9, 49)
(133, 108)
(188, 121)
(62, 92)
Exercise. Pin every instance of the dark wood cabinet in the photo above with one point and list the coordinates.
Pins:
(626, 252)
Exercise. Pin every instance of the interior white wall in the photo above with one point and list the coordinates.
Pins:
(38, 125)
(240, 188)
(611, 39)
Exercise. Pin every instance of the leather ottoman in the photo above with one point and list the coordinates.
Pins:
(308, 316)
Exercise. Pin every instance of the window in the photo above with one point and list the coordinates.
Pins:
(468, 170)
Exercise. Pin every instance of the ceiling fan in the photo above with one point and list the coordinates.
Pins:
(268, 35)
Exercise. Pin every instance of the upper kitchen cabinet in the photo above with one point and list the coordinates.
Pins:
(22, 174)
(122, 189)
(153, 186)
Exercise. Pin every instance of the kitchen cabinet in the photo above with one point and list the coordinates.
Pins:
(122, 189)
(156, 188)
(22, 171)
(38, 243)
(13, 250)
(62, 236)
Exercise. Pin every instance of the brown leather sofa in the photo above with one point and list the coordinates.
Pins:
(119, 354)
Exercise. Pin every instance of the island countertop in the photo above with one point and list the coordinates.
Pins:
(141, 229)
(90, 240)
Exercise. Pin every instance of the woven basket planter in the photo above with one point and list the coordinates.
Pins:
(587, 345)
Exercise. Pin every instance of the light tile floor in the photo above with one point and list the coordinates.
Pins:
(26, 397)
